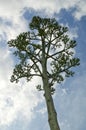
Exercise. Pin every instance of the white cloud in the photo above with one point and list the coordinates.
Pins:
(73, 33)
(17, 102)
(81, 9)
(15, 99)
(12, 10)
(71, 105)
(12, 29)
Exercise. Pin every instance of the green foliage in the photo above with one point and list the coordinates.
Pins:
(39, 88)
(45, 39)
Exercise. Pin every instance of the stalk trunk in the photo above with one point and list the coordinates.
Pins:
(52, 115)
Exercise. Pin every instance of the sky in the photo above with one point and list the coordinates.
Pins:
(22, 107)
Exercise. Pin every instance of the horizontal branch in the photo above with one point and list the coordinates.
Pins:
(35, 75)
(51, 56)
(25, 76)
(65, 49)
(35, 39)
(57, 53)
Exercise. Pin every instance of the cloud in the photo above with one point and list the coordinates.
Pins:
(16, 100)
(71, 105)
(12, 11)
(80, 10)
(10, 29)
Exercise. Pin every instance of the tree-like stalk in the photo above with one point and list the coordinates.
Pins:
(45, 51)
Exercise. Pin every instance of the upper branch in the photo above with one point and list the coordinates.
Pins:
(37, 67)
(32, 55)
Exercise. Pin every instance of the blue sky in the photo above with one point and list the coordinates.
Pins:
(22, 107)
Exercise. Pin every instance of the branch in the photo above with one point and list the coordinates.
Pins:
(49, 44)
(50, 56)
(64, 70)
(58, 52)
(35, 39)
(33, 56)
(35, 75)
(54, 39)
(35, 63)
(26, 76)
